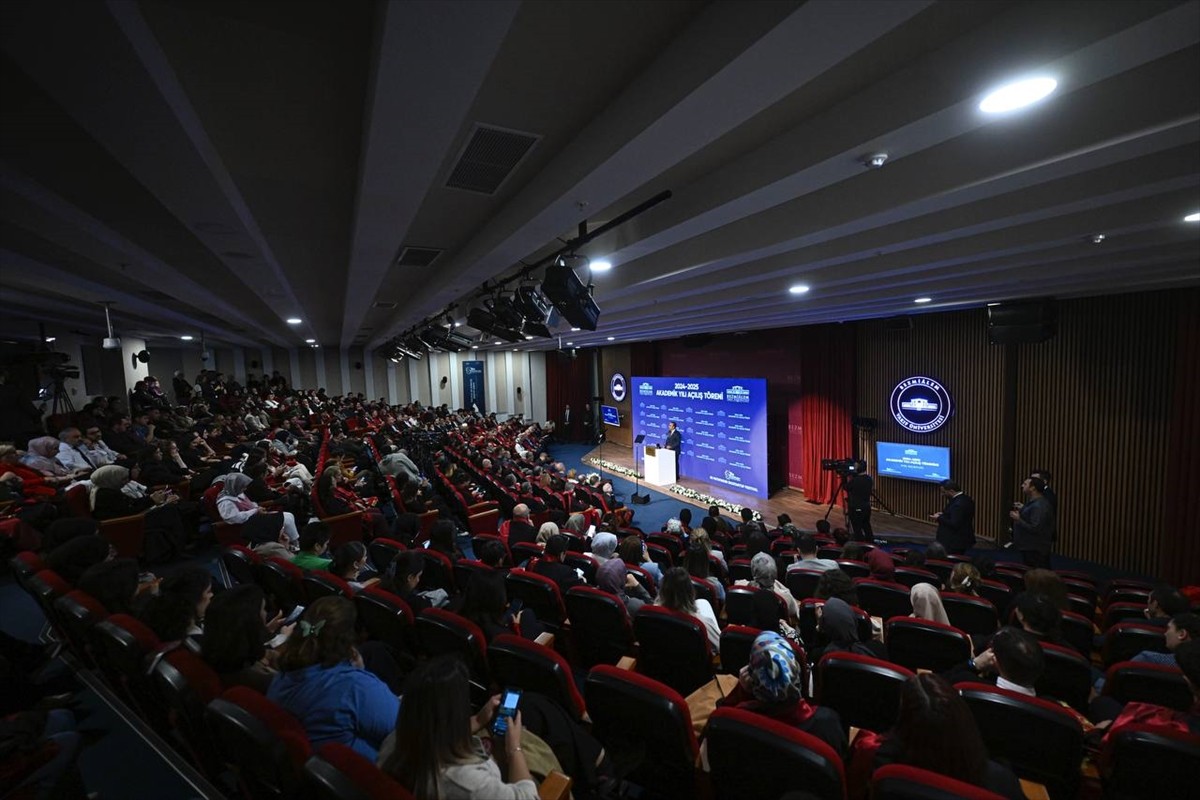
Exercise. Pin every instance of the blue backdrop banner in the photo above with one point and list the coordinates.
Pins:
(473, 394)
(723, 422)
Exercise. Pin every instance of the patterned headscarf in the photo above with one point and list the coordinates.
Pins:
(773, 673)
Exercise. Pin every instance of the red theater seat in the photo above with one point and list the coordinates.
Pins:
(751, 751)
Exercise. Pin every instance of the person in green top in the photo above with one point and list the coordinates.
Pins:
(314, 544)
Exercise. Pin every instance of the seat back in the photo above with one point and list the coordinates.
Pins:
(381, 551)
(739, 569)
(911, 576)
(803, 582)
(1067, 676)
(239, 561)
(337, 772)
(1077, 632)
(1125, 640)
(754, 606)
(902, 782)
(1123, 612)
(25, 565)
(186, 685)
(882, 598)
(266, 746)
(440, 632)
(706, 591)
(127, 535)
(535, 668)
(79, 612)
(925, 644)
(750, 750)
(283, 581)
(673, 649)
(1136, 595)
(121, 645)
(864, 691)
(438, 573)
(645, 727)
(808, 623)
(601, 632)
(464, 569)
(583, 562)
(997, 593)
(853, 568)
(1137, 682)
(538, 593)
(941, 568)
(77, 501)
(385, 617)
(1042, 741)
(318, 584)
(1151, 764)
(736, 641)
(971, 614)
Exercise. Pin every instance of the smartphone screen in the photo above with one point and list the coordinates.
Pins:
(295, 615)
(515, 605)
(507, 710)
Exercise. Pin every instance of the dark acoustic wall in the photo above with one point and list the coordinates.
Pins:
(617, 359)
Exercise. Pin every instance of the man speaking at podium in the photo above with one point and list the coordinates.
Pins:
(674, 440)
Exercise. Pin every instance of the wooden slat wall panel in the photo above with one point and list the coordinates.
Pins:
(1094, 407)
(953, 349)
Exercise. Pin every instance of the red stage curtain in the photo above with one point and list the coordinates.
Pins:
(1180, 551)
(568, 382)
(826, 406)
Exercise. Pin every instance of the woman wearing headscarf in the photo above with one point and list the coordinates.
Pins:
(544, 533)
(260, 526)
(927, 603)
(165, 532)
(772, 684)
(839, 624)
(41, 457)
(612, 578)
(881, 564)
(604, 545)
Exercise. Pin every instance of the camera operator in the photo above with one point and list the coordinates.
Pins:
(858, 485)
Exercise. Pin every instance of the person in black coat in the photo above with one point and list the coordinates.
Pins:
(520, 529)
(956, 523)
(551, 566)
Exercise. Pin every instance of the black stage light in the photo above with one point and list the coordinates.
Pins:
(533, 304)
(571, 297)
(485, 321)
(506, 312)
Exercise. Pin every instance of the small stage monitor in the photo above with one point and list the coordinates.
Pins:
(610, 415)
(916, 462)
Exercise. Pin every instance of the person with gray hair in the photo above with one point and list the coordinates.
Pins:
(520, 529)
(604, 545)
(73, 453)
(764, 575)
(674, 526)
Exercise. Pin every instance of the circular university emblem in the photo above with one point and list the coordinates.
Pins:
(921, 405)
(617, 387)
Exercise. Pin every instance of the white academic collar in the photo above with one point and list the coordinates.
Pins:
(1001, 683)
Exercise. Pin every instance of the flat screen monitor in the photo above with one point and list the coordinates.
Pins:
(610, 416)
(914, 462)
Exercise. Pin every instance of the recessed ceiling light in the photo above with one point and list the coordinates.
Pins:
(992, 304)
(527, 336)
(497, 342)
(799, 288)
(923, 300)
(50, 339)
(309, 341)
(573, 330)
(1192, 217)
(516, 349)
(1097, 238)
(1017, 94)
(186, 338)
(474, 347)
(569, 344)
(601, 266)
(612, 338)
(294, 321)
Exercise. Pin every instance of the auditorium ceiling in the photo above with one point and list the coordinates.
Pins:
(219, 167)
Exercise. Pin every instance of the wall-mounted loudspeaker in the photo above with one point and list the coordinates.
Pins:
(358, 365)
(442, 383)
(253, 365)
(1022, 323)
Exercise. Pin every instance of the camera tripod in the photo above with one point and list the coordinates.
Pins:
(841, 492)
(60, 401)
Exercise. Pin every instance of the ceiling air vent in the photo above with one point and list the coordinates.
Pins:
(489, 157)
(417, 256)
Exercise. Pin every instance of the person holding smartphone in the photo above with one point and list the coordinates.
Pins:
(438, 752)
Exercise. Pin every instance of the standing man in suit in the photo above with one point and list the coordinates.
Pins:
(1034, 525)
(956, 523)
(674, 438)
(566, 431)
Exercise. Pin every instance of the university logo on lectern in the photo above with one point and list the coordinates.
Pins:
(920, 405)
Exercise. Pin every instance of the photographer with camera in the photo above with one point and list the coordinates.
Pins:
(859, 486)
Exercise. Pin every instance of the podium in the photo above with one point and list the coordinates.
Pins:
(660, 466)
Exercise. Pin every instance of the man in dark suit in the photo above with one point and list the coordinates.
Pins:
(520, 529)
(674, 438)
(550, 565)
(566, 426)
(1034, 525)
(956, 523)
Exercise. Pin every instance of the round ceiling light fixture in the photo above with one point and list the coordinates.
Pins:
(294, 320)
(1195, 217)
(799, 288)
(1017, 94)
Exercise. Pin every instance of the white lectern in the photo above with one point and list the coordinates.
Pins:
(660, 466)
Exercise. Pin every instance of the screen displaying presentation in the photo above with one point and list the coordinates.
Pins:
(917, 462)
(610, 416)
(723, 422)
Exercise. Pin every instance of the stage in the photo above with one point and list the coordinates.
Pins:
(785, 501)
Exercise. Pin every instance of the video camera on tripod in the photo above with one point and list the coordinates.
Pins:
(846, 467)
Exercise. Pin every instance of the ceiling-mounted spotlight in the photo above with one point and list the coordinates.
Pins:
(875, 160)
(110, 342)
(485, 321)
(569, 295)
(599, 265)
(1097, 238)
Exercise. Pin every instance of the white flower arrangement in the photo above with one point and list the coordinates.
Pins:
(611, 467)
(709, 500)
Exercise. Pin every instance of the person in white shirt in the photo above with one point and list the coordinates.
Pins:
(677, 593)
(807, 546)
(98, 452)
(1015, 658)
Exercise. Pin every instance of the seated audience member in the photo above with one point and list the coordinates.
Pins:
(235, 638)
(520, 529)
(677, 594)
(771, 684)
(402, 578)
(1048, 583)
(1165, 603)
(927, 603)
(632, 551)
(442, 540)
(881, 564)
(696, 562)
(73, 453)
(165, 533)
(485, 602)
(547, 530)
(914, 558)
(935, 731)
(117, 586)
(178, 610)
(338, 498)
(604, 547)
(1039, 616)
(749, 525)
(1182, 628)
(437, 753)
(1014, 661)
(965, 579)
(763, 575)
(122, 438)
(854, 551)
(42, 458)
(551, 565)
(936, 550)
(612, 578)
(314, 547)
(72, 558)
(493, 554)
(719, 521)
(703, 537)
(156, 470)
(757, 542)
(685, 522)
(1156, 719)
(838, 623)
(786, 527)
(350, 563)
(807, 546)
(258, 524)
(836, 583)
(322, 681)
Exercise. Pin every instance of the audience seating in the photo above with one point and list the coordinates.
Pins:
(1083, 589)
(646, 729)
(660, 556)
(121, 645)
(1125, 640)
(337, 772)
(740, 604)
(902, 782)
(911, 576)
(535, 668)
(443, 632)
(864, 691)
(808, 623)
(523, 552)
(971, 614)
(925, 644)
(538, 593)
(46, 587)
(736, 641)
(941, 568)
(77, 501)
(265, 745)
(1134, 595)
(750, 750)
(883, 599)
(1077, 632)
(585, 563)
(1042, 741)
(25, 565)
(705, 591)
(601, 632)
(1067, 676)
(240, 563)
(438, 573)
(1081, 604)
(739, 570)
(1150, 764)
(464, 569)
(802, 583)
(997, 593)
(855, 569)
(1123, 612)
(385, 617)
(644, 578)
(381, 551)
(283, 581)
(78, 613)
(186, 685)
(318, 584)
(672, 649)
(1137, 682)
(1015, 581)
(127, 535)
